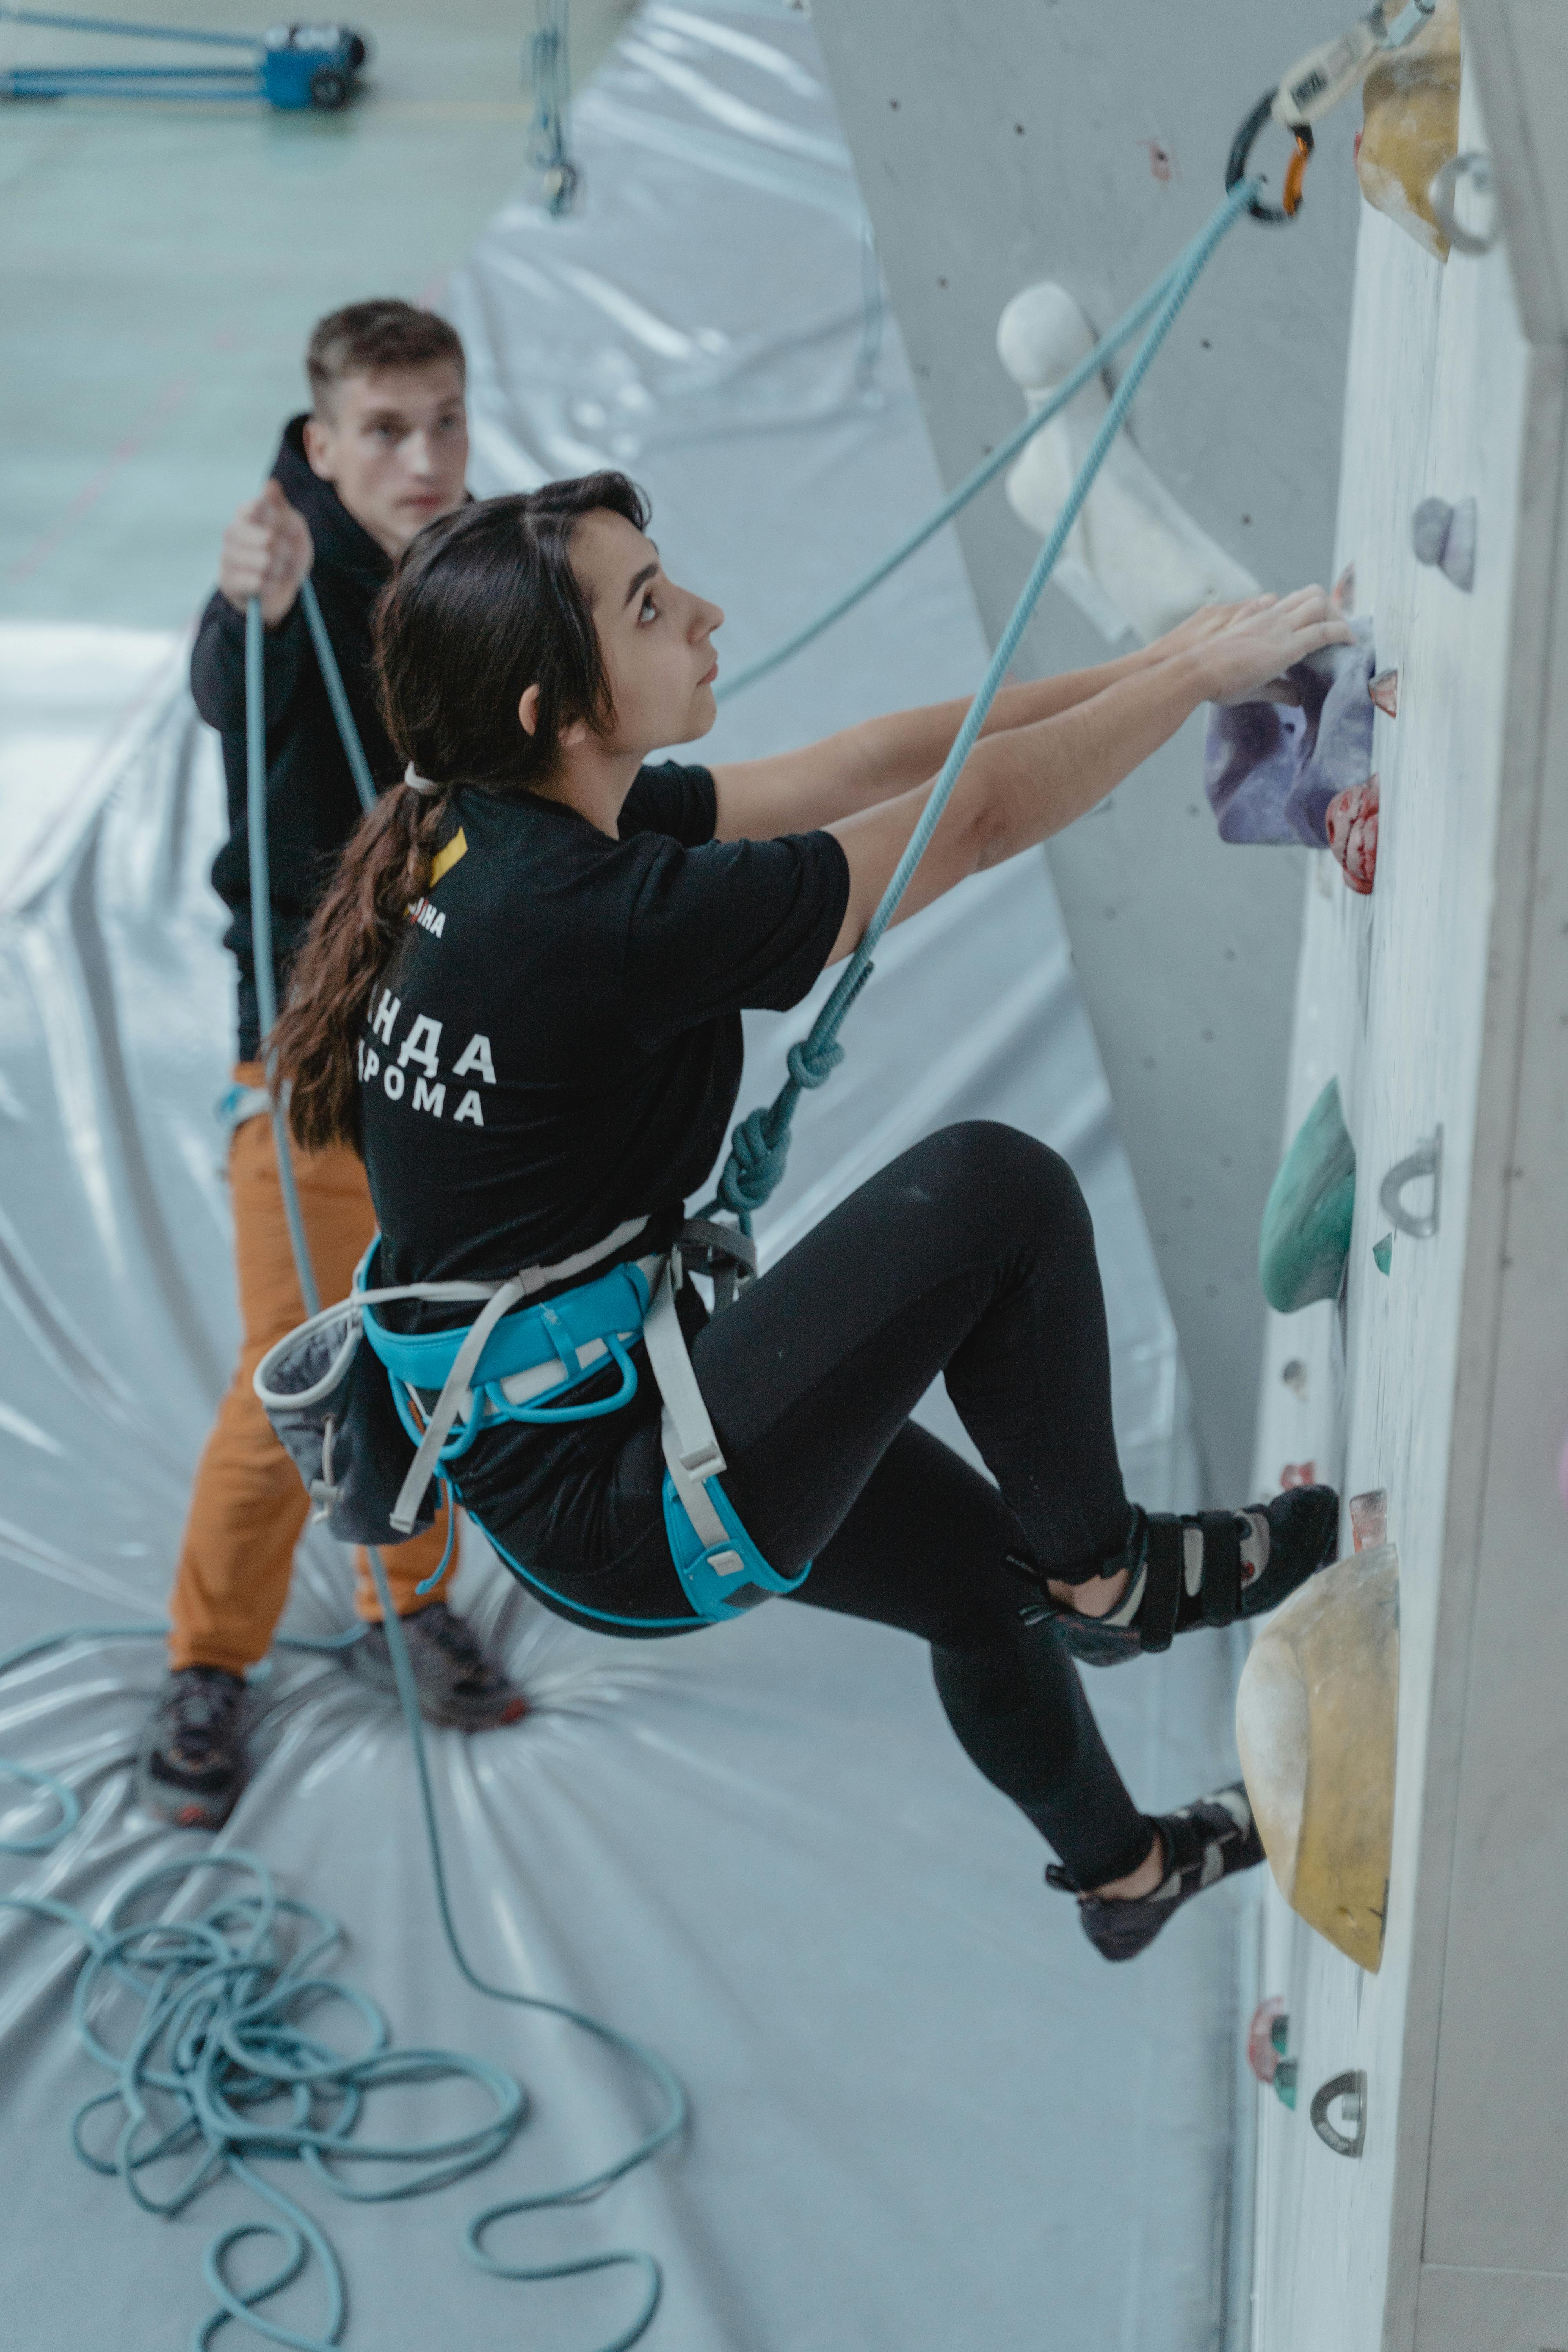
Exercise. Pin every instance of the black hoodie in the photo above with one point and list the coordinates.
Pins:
(311, 805)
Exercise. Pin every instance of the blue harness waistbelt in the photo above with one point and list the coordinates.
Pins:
(524, 1364)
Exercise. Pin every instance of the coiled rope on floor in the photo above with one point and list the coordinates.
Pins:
(213, 2065)
(759, 1147)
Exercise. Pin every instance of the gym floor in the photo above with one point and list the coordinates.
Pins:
(163, 262)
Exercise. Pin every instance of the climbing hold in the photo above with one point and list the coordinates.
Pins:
(1445, 536)
(1384, 691)
(1272, 771)
(1411, 105)
(1317, 1716)
(1267, 2040)
(1352, 825)
(1341, 597)
(1306, 1235)
(1383, 1253)
(1294, 1375)
(1369, 1518)
(1134, 559)
(1427, 1159)
(1351, 2089)
(1298, 1473)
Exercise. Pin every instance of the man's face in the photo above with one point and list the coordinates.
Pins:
(395, 445)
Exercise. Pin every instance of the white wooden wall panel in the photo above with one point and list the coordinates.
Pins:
(1444, 999)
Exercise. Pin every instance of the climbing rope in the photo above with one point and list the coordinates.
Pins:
(222, 2043)
(970, 487)
(758, 1147)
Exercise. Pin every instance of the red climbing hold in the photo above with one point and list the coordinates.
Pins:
(1353, 833)
(1384, 692)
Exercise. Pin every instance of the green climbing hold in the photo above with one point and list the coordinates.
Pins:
(1306, 1235)
(1383, 1253)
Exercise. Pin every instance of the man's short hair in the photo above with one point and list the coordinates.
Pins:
(368, 335)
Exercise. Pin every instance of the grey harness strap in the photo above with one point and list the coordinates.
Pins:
(500, 1301)
(691, 1451)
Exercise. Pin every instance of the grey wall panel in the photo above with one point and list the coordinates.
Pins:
(1001, 142)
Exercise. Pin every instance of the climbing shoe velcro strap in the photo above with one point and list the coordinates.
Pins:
(1162, 1588)
(1221, 1586)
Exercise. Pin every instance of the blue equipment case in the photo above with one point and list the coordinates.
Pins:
(291, 66)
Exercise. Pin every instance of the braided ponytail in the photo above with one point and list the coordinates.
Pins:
(357, 925)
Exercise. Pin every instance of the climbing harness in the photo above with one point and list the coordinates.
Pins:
(221, 1988)
(1314, 86)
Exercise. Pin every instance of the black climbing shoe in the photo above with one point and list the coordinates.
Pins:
(1204, 1568)
(458, 1684)
(1204, 1843)
(191, 1765)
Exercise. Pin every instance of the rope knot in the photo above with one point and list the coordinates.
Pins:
(812, 1065)
(755, 1167)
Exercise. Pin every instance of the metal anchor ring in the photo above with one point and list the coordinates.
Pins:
(1477, 169)
(1352, 2089)
(1427, 1159)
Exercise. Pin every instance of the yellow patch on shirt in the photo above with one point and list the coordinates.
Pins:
(447, 858)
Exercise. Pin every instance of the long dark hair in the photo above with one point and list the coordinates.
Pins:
(484, 604)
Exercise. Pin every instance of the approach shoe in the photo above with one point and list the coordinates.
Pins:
(458, 1684)
(191, 1765)
(1202, 1567)
(1204, 1843)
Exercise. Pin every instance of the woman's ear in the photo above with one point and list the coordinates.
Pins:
(577, 733)
(528, 711)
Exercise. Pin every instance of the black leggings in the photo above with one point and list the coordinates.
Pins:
(972, 1255)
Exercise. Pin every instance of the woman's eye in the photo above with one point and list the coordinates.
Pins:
(649, 610)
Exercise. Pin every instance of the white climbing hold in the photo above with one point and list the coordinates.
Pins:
(1135, 559)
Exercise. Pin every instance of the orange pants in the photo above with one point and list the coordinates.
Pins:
(249, 1505)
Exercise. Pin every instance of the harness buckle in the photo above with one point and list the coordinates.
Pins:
(706, 1462)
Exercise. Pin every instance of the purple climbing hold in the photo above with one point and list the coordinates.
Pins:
(1270, 770)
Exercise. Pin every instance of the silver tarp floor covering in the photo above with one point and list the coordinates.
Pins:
(925, 2114)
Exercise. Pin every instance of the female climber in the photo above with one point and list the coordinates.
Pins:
(520, 1001)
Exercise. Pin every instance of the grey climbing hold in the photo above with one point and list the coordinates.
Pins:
(1445, 537)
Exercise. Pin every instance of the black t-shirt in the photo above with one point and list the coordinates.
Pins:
(555, 1045)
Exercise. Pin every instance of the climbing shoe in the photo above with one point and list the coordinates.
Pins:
(1202, 1567)
(1203, 1844)
(458, 1684)
(191, 1765)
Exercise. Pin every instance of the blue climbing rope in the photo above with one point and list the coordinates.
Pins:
(222, 2043)
(1059, 397)
(758, 1147)
(220, 2038)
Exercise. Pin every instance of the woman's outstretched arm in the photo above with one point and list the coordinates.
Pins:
(792, 792)
(1023, 785)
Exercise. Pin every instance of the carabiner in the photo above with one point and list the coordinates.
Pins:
(1240, 156)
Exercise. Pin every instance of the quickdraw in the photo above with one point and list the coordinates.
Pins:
(1313, 87)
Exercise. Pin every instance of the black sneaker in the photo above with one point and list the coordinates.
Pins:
(1204, 1843)
(191, 1765)
(457, 1682)
(1202, 1567)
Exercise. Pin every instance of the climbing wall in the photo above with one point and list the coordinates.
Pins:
(1439, 1379)
(999, 142)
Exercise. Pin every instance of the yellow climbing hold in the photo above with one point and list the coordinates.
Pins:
(1411, 97)
(1317, 1716)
